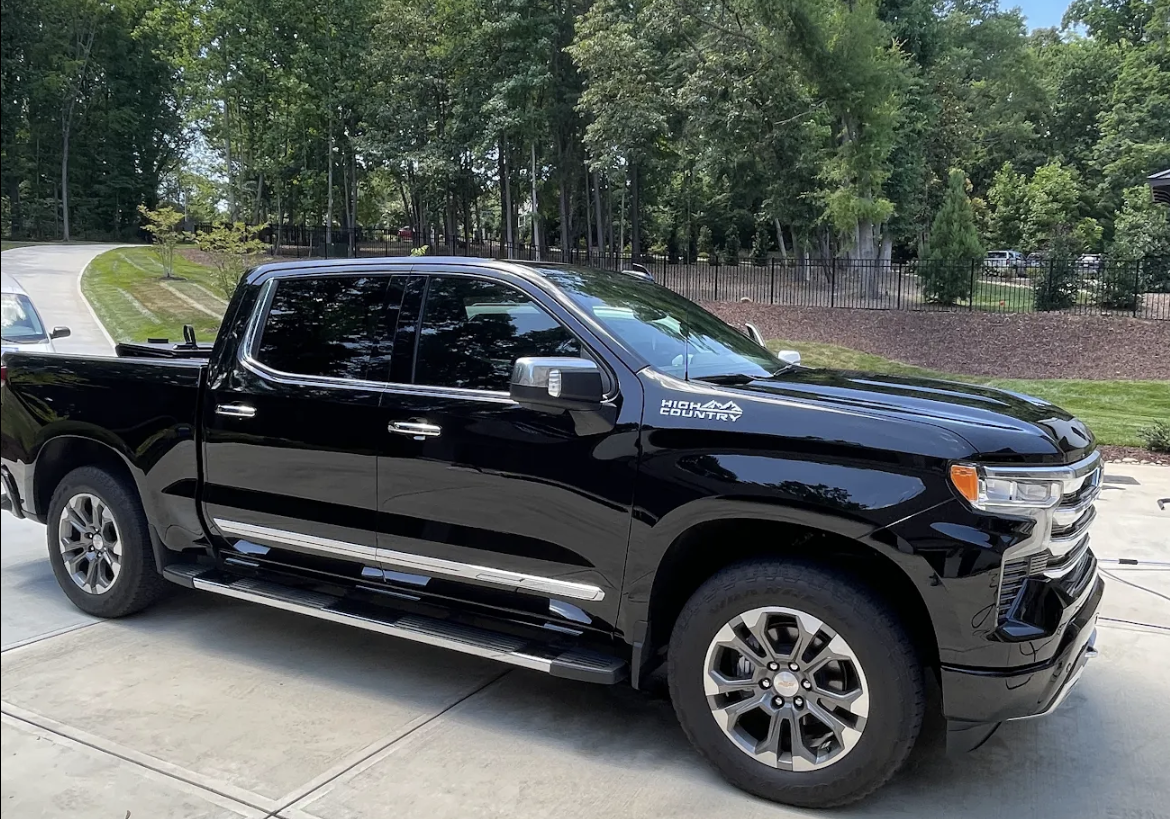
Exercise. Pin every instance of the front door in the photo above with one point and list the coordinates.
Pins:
(293, 424)
(487, 499)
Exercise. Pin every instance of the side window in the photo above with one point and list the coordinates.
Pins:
(322, 327)
(473, 330)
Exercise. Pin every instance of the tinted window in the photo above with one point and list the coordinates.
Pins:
(20, 320)
(322, 327)
(474, 330)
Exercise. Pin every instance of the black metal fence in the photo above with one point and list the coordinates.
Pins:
(1088, 285)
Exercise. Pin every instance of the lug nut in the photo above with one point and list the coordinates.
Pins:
(794, 666)
(799, 702)
(773, 666)
(778, 701)
(805, 684)
(765, 683)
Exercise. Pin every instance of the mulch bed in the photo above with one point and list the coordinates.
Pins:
(1133, 455)
(1024, 345)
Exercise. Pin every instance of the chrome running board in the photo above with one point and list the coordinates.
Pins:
(575, 664)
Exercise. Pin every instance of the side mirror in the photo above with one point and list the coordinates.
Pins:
(60, 332)
(789, 356)
(564, 383)
(753, 332)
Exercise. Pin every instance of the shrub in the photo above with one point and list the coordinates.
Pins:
(163, 226)
(1156, 436)
(232, 247)
(706, 245)
(760, 245)
(672, 246)
(954, 249)
(1056, 288)
(731, 245)
(1120, 286)
(421, 250)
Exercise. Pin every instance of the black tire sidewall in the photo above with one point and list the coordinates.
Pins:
(893, 677)
(125, 595)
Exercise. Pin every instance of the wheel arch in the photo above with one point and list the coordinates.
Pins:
(59, 456)
(720, 533)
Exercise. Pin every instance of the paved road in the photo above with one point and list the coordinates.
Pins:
(50, 274)
(205, 707)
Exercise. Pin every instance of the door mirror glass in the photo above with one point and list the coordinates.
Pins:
(556, 381)
(789, 356)
(60, 332)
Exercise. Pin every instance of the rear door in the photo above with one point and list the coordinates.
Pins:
(293, 423)
(484, 499)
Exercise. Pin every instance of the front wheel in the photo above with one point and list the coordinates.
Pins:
(99, 544)
(796, 683)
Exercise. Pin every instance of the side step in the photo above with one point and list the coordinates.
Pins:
(573, 664)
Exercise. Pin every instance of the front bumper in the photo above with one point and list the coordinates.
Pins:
(976, 701)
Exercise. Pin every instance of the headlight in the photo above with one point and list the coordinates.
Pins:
(985, 492)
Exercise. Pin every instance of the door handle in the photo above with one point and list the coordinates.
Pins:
(415, 429)
(235, 410)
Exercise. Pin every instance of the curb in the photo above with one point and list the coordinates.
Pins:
(89, 307)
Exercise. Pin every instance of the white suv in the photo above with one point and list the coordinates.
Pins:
(21, 327)
(1005, 263)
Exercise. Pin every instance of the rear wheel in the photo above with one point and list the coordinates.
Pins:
(799, 685)
(99, 544)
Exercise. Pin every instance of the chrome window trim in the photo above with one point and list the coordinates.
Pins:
(248, 360)
(388, 558)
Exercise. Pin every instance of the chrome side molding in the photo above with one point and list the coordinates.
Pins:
(420, 564)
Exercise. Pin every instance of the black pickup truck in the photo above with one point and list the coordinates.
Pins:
(581, 472)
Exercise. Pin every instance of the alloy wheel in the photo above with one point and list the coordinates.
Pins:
(786, 689)
(91, 546)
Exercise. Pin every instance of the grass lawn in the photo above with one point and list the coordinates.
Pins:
(7, 245)
(1114, 410)
(132, 299)
(1017, 295)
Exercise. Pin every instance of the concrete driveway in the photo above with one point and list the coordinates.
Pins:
(206, 707)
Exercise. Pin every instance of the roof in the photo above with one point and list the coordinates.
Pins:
(10, 285)
(1160, 185)
(1160, 176)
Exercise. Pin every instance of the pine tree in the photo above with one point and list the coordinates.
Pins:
(954, 249)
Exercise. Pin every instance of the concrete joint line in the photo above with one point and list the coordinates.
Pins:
(370, 755)
(205, 784)
(48, 636)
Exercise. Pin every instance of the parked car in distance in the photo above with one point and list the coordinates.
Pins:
(21, 327)
(583, 473)
(1089, 261)
(1005, 263)
(406, 233)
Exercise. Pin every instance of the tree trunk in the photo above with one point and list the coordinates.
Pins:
(780, 240)
(535, 211)
(635, 213)
(66, 127)
(506, 184)
(588, 216)
(227, 150)
(566, 227)
(329, 194)
(621, 245)
(597, 213)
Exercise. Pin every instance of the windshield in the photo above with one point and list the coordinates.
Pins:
(672, 333)
(20, 320)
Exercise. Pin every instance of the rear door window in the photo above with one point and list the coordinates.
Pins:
(323, 327)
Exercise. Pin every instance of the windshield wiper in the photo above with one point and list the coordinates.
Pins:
(743, 378)
(728, 378)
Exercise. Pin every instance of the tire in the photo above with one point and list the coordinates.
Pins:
(879, 667)
(90, 580)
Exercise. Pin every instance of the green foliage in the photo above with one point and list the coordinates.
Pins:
(1142, 237)
(1008, 197)
(760, 244)
(421, 250)
(232, 248)
(1156, 437)
(706, 243)
(731, 245)
(954, 249)
(163, 226)
(1056, 288)
(1053, 199)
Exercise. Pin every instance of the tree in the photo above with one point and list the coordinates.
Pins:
(1053, 203)
(954, 250)
(163, 226)
(1010, 206)
(1141, 241)
(232, 248)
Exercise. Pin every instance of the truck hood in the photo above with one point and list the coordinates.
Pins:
(997, 423)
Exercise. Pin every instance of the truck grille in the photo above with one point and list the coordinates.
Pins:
(1066, 557)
